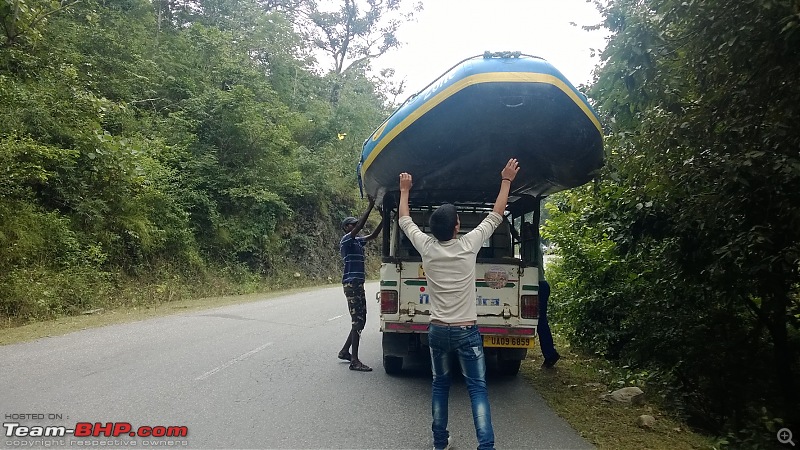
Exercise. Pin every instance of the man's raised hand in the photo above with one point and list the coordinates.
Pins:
(405, 182)
(509, 172)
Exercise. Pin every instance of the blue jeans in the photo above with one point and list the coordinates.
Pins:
(466, 344)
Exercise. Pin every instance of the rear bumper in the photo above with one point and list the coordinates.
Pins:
(404, 344)
(486, 330)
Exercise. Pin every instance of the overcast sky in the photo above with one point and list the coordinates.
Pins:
(447, 31)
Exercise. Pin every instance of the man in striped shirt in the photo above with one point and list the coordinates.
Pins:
(352, 249)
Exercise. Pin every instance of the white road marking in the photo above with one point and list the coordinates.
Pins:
(239, 358)
(334, 318)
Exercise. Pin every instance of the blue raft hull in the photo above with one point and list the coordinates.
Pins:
(456, 135)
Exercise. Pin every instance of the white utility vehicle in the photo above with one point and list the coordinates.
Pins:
(507, 284)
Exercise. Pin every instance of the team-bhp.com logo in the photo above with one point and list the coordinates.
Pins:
(97, 429)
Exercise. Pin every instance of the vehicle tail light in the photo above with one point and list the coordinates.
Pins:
(529, 305)
(388, 302)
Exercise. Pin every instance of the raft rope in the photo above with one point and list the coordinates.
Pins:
(489, 55)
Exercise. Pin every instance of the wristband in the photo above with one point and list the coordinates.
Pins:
(506, 179)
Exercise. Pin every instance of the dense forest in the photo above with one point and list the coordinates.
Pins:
(682, 262)
(157, 149)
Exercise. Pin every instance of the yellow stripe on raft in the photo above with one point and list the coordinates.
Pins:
(491, 77)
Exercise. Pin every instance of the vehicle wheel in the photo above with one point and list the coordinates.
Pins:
(393, 365)
(508, 367)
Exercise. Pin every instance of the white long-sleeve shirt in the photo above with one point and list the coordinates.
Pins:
(450, 268)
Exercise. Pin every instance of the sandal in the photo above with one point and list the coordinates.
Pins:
(358, 366)
(345, 356)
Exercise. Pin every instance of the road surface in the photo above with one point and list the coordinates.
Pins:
(254, 375)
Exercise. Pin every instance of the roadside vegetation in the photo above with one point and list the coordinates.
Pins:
(681, 263)
(153, 152)
(158, 150)
(102, 317)
(575, 390)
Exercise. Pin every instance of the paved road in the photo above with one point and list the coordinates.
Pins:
(255, 375)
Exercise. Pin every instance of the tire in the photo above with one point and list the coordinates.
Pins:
(393, 365)
(509, 367)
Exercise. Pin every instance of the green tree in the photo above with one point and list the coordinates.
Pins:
(147, 142)
(24, 19)
(693, 235)
(355, 34)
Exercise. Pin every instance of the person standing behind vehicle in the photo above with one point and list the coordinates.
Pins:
(549, 352)
(351, 248)
(449, 263)
(530, 240)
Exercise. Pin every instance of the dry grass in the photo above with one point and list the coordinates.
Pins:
(103, 317)
(574, 388)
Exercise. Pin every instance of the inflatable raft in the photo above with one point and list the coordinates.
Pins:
(456, 135)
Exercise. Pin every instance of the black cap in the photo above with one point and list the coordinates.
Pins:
(348, 221)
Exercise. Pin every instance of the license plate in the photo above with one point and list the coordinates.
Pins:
(508, 341)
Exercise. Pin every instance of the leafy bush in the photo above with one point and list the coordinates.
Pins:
(684, 260)
(147, 153)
